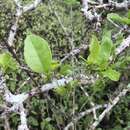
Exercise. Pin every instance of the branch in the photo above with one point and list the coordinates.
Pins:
(114, 5)
(7, 125)
(123, 46)
(55, 84)
(19, 11)
(16, 101)
(22, 113)
(20, 98)
(74, 52)
(18, 3)
(31, 6)
(91, 102)
(109, 108)
(91, 12)
(13, 29)
(87, 13)
(82, 114)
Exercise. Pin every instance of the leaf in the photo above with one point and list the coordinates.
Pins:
(99, 54)
(66, 69)
(33, 121)
(94, 50)
(119, 39)
(61, 90)
(126, 21)
(7, 62)
(128, 14)
(99, 85)
(111, 74)
(65, 90)
(115, 17)
(37, 54)
(106, 48)
(55, 64)
(46, 125)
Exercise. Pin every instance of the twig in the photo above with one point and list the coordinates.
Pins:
(82, 114)
(109, 108)
(90, 12)
(20, 98)
(123, 46)
(15, 100)
(7, 125)
(19, 11)
(56, 83)
(74, 52)
(18, 3)
(32, 6)
(23, 125)
(91, 102)
(114, 5)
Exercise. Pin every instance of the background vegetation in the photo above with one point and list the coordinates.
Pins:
(62, 24)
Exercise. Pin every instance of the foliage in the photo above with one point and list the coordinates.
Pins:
(7, 62)
(117, 18)
(100, 55)
(54, 109)
(37, 54)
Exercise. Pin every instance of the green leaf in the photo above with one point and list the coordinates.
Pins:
(116, 18)
(66, 69)
(55, 64)
(94, 50)
(37, 54)
(106, 48)
(99, 54)
(33, 121)
(46, 125)
(111, 74)
(128, 14)
(126, 21)
(99, 85)
(61, 90)
(65, 90)
(7, 62)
